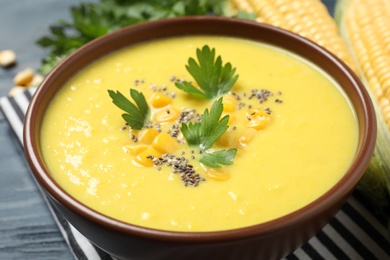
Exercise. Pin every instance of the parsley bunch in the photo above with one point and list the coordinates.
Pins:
(91, 19)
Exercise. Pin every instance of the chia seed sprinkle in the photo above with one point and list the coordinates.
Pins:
(186, 116)
(134, 138)
(236, 96)
(174, 131)
(240, 105)
(138, 82)
(149, 124)
(180, 166)
(260, 94)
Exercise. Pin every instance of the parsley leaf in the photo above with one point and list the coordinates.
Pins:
(206, 132)
(219, 158)
(213, 78)
(135, 115)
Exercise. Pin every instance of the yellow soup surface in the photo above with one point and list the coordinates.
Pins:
(294, 129)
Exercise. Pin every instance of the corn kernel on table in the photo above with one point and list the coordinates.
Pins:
(28, 227)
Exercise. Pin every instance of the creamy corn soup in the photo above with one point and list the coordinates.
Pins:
(294, 130)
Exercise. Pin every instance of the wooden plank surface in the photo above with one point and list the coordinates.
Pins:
(27, 230)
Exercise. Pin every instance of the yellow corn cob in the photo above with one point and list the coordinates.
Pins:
(308, 18)
(367, 24)
(364, 24)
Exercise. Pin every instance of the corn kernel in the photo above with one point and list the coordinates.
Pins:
(247, 136)
(7, 58)
(165, 143)
(258, 118)
(232, 118)
(24, 77)
(229, 106)
(147, 135)
(134, 149)
(15, 90)
(218, 174)
(37, 80)
(167, 114)
(229, 139)
(159, 100)
(254, 112)
(259, 122)
(143, 157)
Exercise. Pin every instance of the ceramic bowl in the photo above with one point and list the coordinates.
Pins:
(271, 240)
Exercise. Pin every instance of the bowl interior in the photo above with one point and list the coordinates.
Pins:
(203, 26)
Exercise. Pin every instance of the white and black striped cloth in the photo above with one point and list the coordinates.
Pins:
(354, 233)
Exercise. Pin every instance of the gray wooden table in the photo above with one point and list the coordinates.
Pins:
(27, 230)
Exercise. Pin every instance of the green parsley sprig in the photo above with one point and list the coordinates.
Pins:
(205, 133)
(136, 115)
(213, 78)
(218, 158)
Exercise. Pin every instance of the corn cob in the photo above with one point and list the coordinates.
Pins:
(308, 18)
(367, 29)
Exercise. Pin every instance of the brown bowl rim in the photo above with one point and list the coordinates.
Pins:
(341, 190)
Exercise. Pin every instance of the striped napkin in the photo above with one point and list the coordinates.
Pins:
(354, 233)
